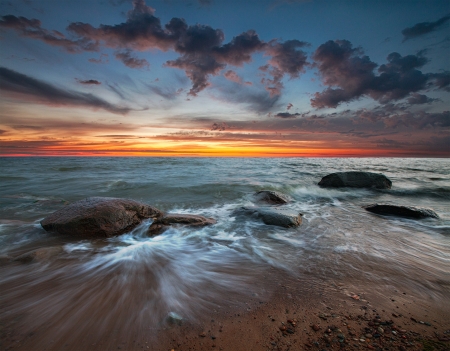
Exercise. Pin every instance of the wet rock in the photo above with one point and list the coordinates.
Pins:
(401, 211)
(39, 255)
(174, 318)
(163, 223)
(271, 197)
(356, 180)
(95, 217)
(273, 215)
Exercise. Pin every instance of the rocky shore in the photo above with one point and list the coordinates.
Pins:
(315, 316)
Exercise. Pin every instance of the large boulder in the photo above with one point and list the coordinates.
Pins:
(281, 217)
(161, 224)
(356, 180)
(95, 217)
(401, 211)
(271, 197)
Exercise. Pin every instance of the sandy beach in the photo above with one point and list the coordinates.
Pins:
(298, 315)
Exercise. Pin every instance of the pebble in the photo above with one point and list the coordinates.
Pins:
(315, 327)
(380, 330)
(368, 336)
(202, 334)
(362, 340)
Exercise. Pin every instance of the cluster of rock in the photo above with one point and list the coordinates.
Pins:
(95, 217)
(104, 217)
(270, 211)
(378, 181)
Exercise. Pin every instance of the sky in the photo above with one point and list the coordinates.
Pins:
(272, 78)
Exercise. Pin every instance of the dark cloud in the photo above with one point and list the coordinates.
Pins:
(441, 80)
(419, 99)
(202, 50)
(423, 28)
(287, 115)
(141, 31)
(89, 82)
(350, 75)
(12, 82)
(31, 28)
(286, 58)
(202, 53)
(220, 127)
(128, 60)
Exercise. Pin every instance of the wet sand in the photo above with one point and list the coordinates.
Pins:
(295, 315)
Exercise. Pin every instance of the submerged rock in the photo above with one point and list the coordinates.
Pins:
(401, 211)
(274, 215)
(39, 255)
(174, 318)
(99, 217)
(356, 180)
(271, 197)
(162, 223)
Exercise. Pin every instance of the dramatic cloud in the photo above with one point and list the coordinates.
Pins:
(32, 28)
(441, 80)
(419, 99)
(423, 28)
(128, 60)
(287, 115)
(12, 83)
(202, 53)
(201, 48)
(89, 82)
(287, 58)
(350, 75)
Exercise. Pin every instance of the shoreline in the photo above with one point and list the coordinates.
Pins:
(298, 315)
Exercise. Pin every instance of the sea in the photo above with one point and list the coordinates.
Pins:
(180, 274)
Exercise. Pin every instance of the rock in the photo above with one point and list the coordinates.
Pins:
(39, 255)
(174, 318)
(161, 224)
(274, 215)
(356, 180)
(99, 217)
(271, 197)
(401, 211)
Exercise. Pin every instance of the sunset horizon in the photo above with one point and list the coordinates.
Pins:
(179, 78)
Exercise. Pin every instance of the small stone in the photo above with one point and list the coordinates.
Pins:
(315, 327)
(202, 335)
(362, 340)
(380, 330)
(368, 336)
(282, 328)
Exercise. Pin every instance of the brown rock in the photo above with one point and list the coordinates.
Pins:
(271, 197)
(99, 217)
(161, 224)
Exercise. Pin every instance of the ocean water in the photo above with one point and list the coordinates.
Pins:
(138, 279)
